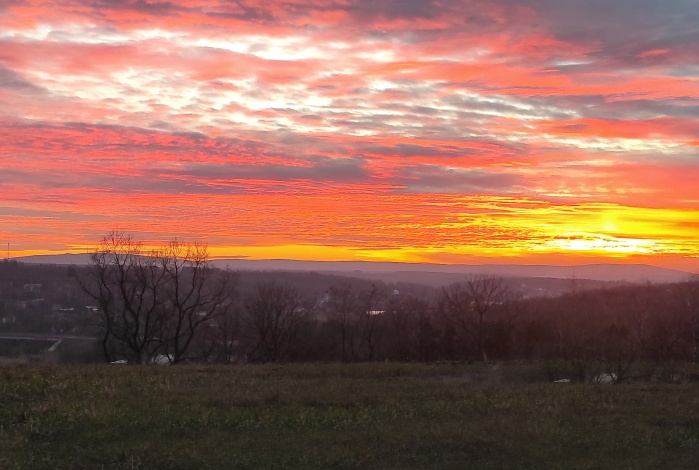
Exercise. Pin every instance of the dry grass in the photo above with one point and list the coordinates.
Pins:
(335, 416)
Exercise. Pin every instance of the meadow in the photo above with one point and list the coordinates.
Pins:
(364, 416)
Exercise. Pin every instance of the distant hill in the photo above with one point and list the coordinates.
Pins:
(66, 258)
(414, 272)
(432, 274)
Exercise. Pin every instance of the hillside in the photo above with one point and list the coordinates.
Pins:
(431, 274)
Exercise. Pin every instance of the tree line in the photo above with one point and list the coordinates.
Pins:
(172, 303)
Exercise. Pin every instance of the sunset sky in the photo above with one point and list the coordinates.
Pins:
(439, 131)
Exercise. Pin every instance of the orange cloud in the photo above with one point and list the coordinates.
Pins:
(394, 130)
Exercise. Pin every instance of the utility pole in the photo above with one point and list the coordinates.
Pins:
(574, 283)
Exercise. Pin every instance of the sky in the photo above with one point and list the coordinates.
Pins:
(429, 131)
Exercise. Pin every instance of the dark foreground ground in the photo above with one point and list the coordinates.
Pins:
(333, 416)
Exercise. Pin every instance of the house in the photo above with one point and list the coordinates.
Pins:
(32, 288)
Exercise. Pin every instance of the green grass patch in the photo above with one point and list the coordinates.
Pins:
(370, 416)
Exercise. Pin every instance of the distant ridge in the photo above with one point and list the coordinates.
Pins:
(65, 258)
(596, 272)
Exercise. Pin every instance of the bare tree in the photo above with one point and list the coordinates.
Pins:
(227, 334)
(195, 294)
(469, 306)
(690, 300)
(274, 315)
(127, 287)
(403, 317)
(368, 317)
(626, 353)
(356, 315)
(153, 301)
(341, 305)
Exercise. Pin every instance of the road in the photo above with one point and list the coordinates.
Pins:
(44, 337)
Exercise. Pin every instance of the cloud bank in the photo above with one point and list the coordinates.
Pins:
(405, 130)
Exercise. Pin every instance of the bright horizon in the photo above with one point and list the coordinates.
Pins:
(416, 131)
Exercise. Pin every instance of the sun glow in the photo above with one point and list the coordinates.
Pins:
(603, 244)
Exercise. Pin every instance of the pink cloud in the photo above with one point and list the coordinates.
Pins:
(391, 110)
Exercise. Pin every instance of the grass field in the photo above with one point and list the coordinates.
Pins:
(371, 416)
